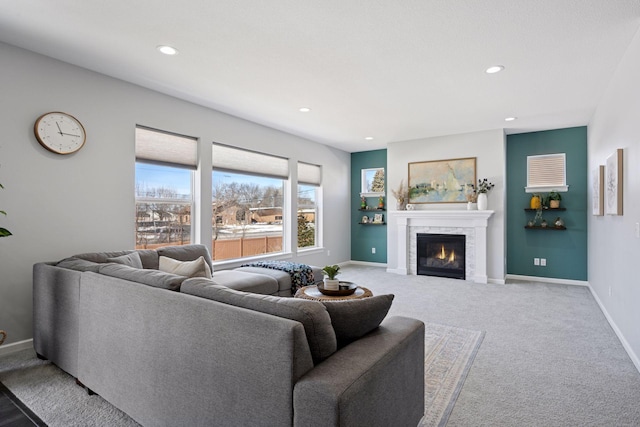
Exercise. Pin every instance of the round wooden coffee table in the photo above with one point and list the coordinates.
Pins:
(312, 293)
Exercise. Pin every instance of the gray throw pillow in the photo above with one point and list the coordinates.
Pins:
(101, 257)
(155, 278)
(352, 319)
(312, 315)
(79, 264)
(132, 260)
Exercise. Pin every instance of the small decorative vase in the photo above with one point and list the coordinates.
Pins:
(331, 284)
(472, 206)
(559, 222)
(554, 204)
(535, 202)
(543, 224)
(482, 201)
(399, 206)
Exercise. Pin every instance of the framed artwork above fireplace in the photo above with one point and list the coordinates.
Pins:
(442, 181)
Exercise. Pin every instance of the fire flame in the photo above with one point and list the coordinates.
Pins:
(443, 254)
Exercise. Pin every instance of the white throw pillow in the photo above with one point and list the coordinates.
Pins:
(195, 268)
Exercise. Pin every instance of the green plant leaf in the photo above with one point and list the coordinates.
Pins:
(4, 232)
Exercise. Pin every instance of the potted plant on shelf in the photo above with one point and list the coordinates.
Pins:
(554, 199)
(330, 282)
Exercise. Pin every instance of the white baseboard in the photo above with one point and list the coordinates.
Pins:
(16, 346)
(370, 264)
(548, 280)
(623, 340)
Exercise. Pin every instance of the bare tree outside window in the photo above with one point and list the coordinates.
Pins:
(247, 215)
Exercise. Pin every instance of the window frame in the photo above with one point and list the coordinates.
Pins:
(540, 161)
(257, 167)
(188, 163)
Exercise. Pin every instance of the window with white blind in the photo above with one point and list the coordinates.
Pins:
(164, 188)
(309, 181)
(248, 202)
(546, 172)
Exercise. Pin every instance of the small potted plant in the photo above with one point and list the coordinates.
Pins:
(330, 282)
(554, 199)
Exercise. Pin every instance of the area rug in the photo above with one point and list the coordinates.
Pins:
(54, 397)
(449, 354)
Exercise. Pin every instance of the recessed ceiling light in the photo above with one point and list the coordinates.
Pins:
(304, 109)
(167, 50)
(510, 119)
(494, 69)
(368, 138)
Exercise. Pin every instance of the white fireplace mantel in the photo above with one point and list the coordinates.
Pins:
(472, 223)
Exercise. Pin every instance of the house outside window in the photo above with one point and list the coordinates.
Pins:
(248, 203)
(164, 188)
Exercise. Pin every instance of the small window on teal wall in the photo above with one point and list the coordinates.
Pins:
(372, 183)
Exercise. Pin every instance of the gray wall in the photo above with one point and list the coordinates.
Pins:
(614, 247)
(54, 202)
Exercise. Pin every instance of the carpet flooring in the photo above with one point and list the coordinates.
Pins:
(548, 355)
(548, 358)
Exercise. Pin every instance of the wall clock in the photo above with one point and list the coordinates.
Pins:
(60, 133)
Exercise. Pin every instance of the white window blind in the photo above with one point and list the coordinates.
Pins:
(309, 174)
(235, 159)
(546, 172)
(154, 146)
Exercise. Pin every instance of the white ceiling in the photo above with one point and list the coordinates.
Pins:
(392, 69)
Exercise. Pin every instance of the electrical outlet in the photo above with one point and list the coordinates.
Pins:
(373, 250)
(543, 262)
(328, 252)
(536, 261)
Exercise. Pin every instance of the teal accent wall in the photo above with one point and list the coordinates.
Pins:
(365, 237)
(565, 251)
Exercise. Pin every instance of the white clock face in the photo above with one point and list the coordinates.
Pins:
(60, 133)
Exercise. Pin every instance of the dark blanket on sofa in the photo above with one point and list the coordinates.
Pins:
(301, 274)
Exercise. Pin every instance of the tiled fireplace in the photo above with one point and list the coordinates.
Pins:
(471, 224)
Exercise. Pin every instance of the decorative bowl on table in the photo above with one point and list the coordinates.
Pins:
(345, 288)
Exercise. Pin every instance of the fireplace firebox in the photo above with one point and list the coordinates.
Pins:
(441, 255)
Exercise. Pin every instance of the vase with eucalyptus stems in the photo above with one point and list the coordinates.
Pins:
(484, 186)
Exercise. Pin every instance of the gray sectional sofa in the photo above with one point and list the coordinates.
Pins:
(170, 350)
